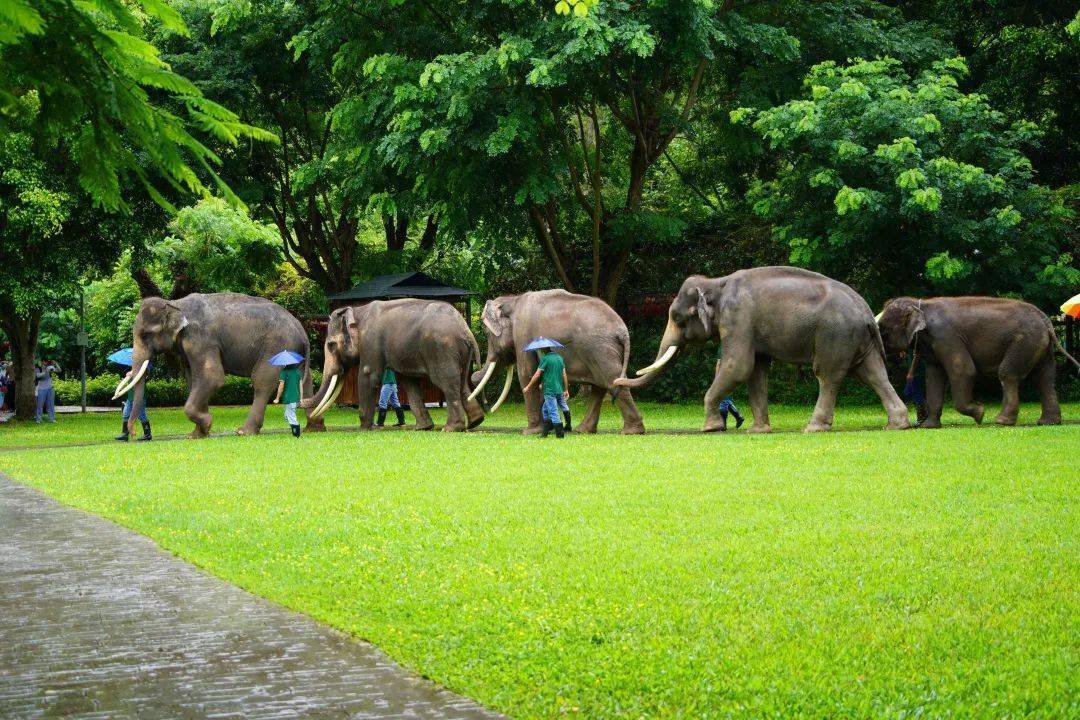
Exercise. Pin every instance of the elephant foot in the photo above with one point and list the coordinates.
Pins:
(423, 428)
(198, 434)
(817, 426)
(717, 425)
(315, 425)
(247, 430)
(1050, 420)
(532, 430)
(901, 424)
(929, 424)
(584, 429)
(762, 429)
(1007, 420)
(633, 430)
(476, 423)
(456, 427)
(977, 413)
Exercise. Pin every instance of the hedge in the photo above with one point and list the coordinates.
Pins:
(160, 392)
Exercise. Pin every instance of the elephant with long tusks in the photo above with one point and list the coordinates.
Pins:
(596, 353)
(417, 339)
(777, 313)
(215, 335)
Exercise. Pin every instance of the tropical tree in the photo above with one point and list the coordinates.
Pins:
(909, 185)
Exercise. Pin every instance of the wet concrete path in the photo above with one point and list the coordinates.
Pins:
(98, 622)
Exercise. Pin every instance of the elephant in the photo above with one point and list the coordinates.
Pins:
(215, 335)
(777, 313)
(960, 338)
(597, 350)
(417, 339)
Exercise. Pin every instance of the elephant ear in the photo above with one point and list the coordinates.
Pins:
(494, 319)
(916, 322)
(703, 310)
(178, 321)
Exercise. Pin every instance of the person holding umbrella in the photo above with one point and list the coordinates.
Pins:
(288, 390)
(122, 357)
(552, 370)
(388, 398)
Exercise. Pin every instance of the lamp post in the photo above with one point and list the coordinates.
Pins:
(80, 340)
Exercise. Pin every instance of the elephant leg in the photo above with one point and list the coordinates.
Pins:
(264, 383)
(730, 371)
(367, 397)
(416, 404)
(935, 396)
(592, 413)
(758, 385)
(1010, 401)
(203, 386)
(474, 411)
(534, 399)
(828, 387)
(456, 419)
(872, 372)
(963, 387)
(631, 416)
(1045, 375)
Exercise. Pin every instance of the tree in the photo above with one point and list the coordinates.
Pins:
(49, 237)
(99, 85)
(909, 186)
(516, 116)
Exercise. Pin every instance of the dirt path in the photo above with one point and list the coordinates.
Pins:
(98, 622)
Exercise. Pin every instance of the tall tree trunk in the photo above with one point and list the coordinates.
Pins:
(23, 334)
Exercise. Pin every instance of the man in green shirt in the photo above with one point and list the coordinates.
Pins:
(288, 392)
(552, 370)
(388, 397)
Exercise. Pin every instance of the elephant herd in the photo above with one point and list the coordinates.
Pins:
(759, 315)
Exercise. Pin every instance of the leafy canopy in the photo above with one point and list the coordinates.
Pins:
(909, 185)
(105, 90)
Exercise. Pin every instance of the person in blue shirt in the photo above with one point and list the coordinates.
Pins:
(552, 370)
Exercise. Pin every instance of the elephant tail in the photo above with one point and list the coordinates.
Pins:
(875, 333)
(1057, 342)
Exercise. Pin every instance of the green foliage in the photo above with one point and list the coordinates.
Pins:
(910, 186)
(221, 248)
(97, 77)
(663, 576)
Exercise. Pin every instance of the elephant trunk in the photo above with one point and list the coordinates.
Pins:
(136, 382)
(669, 347)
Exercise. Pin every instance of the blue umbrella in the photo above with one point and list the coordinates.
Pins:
(542, 342)
(287, 357)
(121, 357)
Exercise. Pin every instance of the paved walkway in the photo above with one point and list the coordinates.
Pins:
(98, 622)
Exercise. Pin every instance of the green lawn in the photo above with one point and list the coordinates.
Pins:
(849, 574)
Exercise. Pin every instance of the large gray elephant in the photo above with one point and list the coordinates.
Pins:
(215, 335)
(777, 313)
(417, 339)
(960, 338)
(597, 349)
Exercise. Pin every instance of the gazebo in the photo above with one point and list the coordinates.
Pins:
(393, 287)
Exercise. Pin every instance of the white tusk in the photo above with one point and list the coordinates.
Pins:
(483, 381)
(326, 398)
(131, 382)
(505, 390)
(877, 318)
(661, 361)
(330, 400)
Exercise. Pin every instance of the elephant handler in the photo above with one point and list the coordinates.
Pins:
(288, 392)
(388, 397)
(915, 387)
(553, 371)
(727, 405)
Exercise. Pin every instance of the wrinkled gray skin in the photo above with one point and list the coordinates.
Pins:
(215, 335)
(417, 339)
(597, 349)
(960, 338)
(786, 314)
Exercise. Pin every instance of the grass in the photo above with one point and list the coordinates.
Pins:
(848, 574)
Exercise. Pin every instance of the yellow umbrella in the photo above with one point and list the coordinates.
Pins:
(1072, 306)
